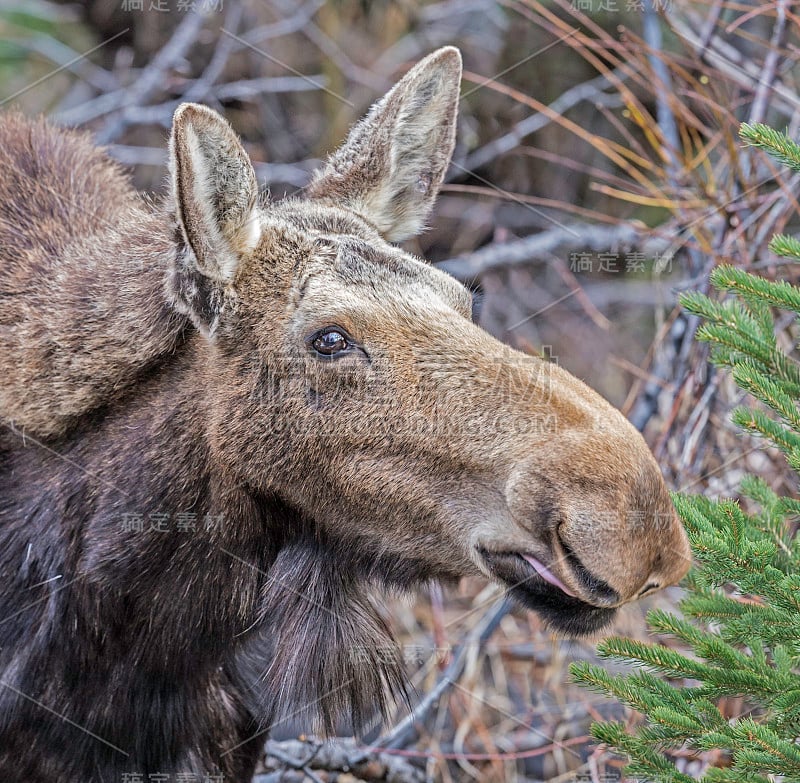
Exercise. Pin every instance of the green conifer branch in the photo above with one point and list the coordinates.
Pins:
(777, 144)
(786, 246)
(776, 293)
(743, 641)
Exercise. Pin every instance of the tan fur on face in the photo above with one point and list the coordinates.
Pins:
(439, 424)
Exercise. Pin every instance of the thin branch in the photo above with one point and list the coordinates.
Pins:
(295, 760)
(222, 51)
(59, 53)
(405, 731)
(766, 82)
(728, 61)
(583, 236)
(295, 174)
(292, 24)
(588, 90)
(161, 113)
(153, 76)
(350, 69)
(252, 88)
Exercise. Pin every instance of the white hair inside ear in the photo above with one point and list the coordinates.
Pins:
(394, 160)
(214, 190)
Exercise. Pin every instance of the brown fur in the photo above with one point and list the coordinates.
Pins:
(160, 361)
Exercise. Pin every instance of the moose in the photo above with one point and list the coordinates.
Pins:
(228, 423)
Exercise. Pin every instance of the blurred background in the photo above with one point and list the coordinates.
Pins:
(598, 173)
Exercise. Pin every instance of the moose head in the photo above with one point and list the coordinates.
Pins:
(347, 379)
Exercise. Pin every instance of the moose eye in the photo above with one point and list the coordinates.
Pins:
(330, 342)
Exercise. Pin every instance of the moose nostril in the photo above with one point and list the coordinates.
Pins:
(596, 586)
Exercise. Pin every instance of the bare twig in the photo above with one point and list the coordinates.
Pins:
(161, 113)
(287, 26)
(766, 82)
(350, 69)
(580, 294)
(305, 756)
(153, 76)
(222, 51)
(406, 730)
(295, 174)
(663, 88)
(583, 236)
(728, 62)
(588, 90)
(252, 88)
(70, 60)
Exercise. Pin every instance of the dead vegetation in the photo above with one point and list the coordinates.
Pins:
(598, 173)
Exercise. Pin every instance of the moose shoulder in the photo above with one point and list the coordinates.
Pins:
(224, 419)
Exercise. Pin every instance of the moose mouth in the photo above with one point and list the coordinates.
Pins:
(537, 588)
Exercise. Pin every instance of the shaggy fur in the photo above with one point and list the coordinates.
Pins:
(195, 504)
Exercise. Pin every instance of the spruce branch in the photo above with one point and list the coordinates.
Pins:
(785, 246)
(739, 633)
(777, 293)
(775, 143)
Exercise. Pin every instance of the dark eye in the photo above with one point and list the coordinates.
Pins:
(330, 341)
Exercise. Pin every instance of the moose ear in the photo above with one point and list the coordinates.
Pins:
(391, 166)
(214, 189)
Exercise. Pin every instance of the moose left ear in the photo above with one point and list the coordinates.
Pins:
(214, 190)
(391, 166)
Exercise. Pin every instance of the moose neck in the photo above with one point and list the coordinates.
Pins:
(157, 520)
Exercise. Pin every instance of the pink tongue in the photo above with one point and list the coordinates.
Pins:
(547, 576)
